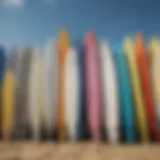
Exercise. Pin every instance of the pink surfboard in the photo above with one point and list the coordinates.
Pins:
(93, 91)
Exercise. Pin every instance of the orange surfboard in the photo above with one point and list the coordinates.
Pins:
(63, 47)
(146, 86)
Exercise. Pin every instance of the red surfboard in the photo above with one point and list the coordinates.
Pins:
(146, 86)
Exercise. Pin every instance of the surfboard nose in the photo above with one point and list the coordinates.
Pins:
(139, 41)
(90, 38)
(63, 42)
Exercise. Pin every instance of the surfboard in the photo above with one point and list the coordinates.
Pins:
(50, 87)
(21, 126)
(34, 93)
(63, 47)
(110, 93)
(71, 93)
(8, 95)
(129, 51)
(82, 125)
(152, 47)
(2, 75)
(146, 86)
(93, 91)
(126, 107)
(2, 64)
(8, 104)
(155, 68)
(41, 100)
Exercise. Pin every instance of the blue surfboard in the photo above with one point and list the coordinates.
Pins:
(2, 73)
(126, 106)
(81, 128)
(2, 64)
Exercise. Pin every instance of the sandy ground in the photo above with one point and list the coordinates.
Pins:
(83, 151)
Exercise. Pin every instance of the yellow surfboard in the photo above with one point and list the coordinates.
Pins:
(129, 51)
(8, 104)
(63, 47)
(154, 54)
(152, 49)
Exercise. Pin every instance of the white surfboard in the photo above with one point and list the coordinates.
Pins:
(72, 93)
(155, 69)
(110, 94)
(50, 87)
(34, 95)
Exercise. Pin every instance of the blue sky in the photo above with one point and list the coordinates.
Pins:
(24, 22)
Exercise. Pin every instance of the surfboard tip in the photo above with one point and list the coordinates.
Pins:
(63, 41)
(90, 37)
(139, 41)
(128, 44)
(154, 43)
